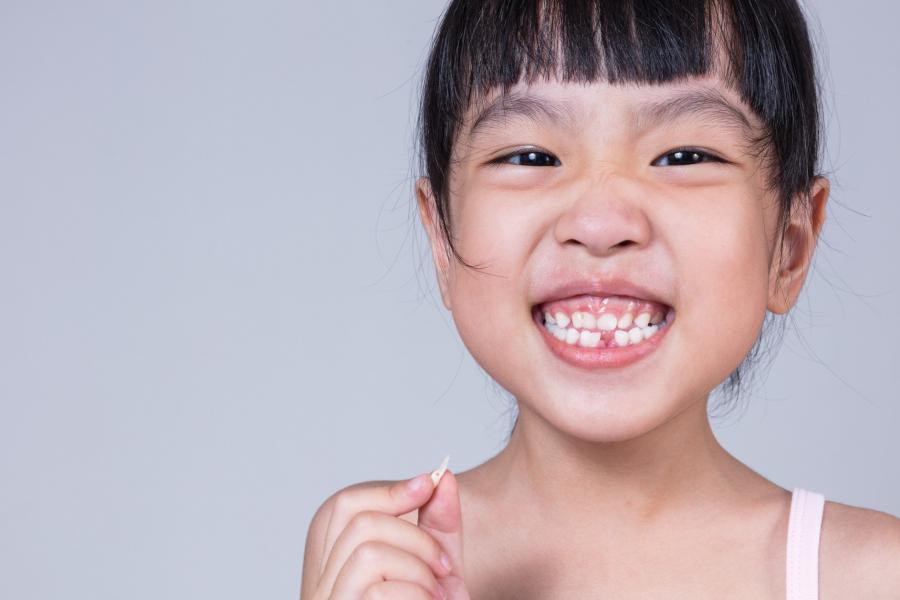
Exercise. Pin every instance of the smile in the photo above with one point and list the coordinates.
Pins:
(603, 331)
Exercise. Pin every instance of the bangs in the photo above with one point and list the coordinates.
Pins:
(760, 49)
(502, 43)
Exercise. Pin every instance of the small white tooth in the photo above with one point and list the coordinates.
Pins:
(439, 472)
(576, 319)
(550, 327)
(584, 338)
(548, 318)
(635, 335)
(588, 321)
(562, 319)
(649, 331)
(625, 321)
(607, 322)
(642, 319)
(621, 337)
(560, 333)
(572, 335)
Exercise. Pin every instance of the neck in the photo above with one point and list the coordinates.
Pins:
(677, 465)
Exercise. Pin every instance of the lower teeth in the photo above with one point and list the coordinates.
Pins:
(617, 338)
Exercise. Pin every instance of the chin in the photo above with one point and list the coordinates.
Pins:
(606, 418)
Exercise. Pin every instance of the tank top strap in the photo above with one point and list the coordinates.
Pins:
(804, 529)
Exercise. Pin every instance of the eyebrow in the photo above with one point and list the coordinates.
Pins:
(522, 104)
(706, 103)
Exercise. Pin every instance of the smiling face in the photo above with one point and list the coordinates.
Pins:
(596, 199)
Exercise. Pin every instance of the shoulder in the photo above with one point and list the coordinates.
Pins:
(859, 552)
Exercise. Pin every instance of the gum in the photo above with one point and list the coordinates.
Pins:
(617, 305)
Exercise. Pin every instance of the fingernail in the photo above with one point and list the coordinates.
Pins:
(439, 472)
(415, 484)
(440, 593)
(445, 561)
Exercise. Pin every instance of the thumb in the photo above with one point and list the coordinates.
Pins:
(441, 517)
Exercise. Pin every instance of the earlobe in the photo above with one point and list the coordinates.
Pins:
(796, 248)
(430, 221)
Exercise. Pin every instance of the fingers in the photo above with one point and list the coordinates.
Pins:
(379, 527)
(441, 518)
(394, 499)
(373, 562)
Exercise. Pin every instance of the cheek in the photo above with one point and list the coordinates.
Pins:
(495, 235)
(725, 281)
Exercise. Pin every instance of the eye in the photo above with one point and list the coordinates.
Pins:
(685, 156)
(528, 158)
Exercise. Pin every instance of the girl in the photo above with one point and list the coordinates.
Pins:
(617, 194)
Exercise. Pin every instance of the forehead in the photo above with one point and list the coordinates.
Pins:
(571, 106)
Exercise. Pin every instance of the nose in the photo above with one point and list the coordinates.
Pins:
(606, 217)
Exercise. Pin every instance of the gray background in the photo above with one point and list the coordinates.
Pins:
(215, 311)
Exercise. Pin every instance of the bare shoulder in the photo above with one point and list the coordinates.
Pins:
(859, 553)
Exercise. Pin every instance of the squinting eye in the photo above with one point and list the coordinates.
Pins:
(530, 158)
(685, 156)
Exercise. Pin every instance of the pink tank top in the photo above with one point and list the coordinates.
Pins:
(804, 527)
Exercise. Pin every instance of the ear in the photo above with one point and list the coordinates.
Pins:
(430, 220)
(794, 254)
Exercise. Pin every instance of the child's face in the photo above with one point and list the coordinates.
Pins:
(617, 209)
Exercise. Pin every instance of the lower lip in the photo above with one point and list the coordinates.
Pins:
(600, 358)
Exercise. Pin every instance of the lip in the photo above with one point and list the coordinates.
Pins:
(602, 358)
(600, 287)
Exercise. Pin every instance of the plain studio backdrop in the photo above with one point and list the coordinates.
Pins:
(216, 310)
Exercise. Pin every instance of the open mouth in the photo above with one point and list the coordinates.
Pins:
(590, 330)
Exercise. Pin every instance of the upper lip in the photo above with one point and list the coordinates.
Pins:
(597, 286)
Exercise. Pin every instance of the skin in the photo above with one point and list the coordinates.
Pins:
(613, 483)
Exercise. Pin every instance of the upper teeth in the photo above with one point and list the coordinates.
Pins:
(587, 330)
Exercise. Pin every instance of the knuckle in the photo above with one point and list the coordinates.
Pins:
(367, 552)
(362, 522)
(388, 590)
(340, 503)
(376, 592)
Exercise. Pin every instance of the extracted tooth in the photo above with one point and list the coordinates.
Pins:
(621, 337)
(625, 321)
(576, 319)
(562, 319)
(439, 472)
(589, 339)
(649, 331)
(642, 319)
(572, 335)
(588, 321)
(560, 333)
(548, 318)
(635, 335)
(607, 322)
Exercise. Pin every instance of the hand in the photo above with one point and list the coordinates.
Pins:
(372, 553)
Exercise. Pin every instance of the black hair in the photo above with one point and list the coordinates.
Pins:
(481, 46)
